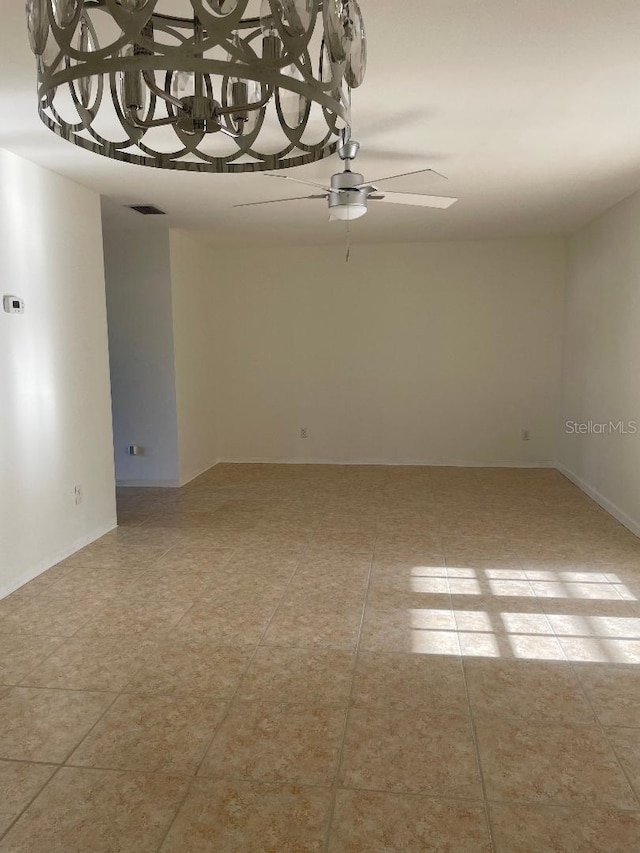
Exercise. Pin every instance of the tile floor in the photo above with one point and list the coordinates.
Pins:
(344, 659)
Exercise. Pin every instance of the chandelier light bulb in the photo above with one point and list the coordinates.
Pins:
(133, 5)
(271, 44)
(84, 83)
(64, 11)
(37, 25)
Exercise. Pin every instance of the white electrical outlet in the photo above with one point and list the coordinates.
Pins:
(78, 494)
(304, 432)
(526, 435)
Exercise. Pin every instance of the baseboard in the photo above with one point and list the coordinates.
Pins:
(417, 463)
(605, 503)
(164, 484)
(29, 575)
(149, 484)
(192, 476)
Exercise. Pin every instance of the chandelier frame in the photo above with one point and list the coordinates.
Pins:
(225, 57)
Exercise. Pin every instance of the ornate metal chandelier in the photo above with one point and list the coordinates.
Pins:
(202, 85)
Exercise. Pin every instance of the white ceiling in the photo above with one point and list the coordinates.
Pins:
(530, 107)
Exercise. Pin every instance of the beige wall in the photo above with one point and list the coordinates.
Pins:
(141, 351)
(433, 353)
(197, 359)
(55, 418)
(437, 353)
(601, 381)
(164, 361)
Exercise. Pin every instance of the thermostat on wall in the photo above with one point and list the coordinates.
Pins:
(13, 304)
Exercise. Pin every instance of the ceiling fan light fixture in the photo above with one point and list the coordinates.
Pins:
(347, 212)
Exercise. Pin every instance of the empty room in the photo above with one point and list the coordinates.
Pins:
(320, 426)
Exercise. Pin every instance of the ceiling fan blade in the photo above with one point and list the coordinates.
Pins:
(431, 173)
(280, 200)
(296, 180)
(416, 200)
(391, 155)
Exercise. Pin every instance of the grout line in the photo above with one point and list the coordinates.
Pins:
(577, 807)
(476, 748)
(340, 758)
(30, 761)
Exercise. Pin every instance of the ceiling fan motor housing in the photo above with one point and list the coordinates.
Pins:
(353, 197)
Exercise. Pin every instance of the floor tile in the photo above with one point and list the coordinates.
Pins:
(558, 610)
(154, 539)
(614, 692)
(581, 592)
(101, 585)
(100, 811)
(193, 559)
(526, 689)
(245, 817)
(489, 617)
(302, 626)
(19, 784)
(247, 587)
(601, 650)
(386, 597)
(231, 625)
(160, 734)
(264, 563)
(91, 663)
(419, 581)
(316, 677)
(41, 583)
(414, 630)
(98, 556)
(158, 585)
(341, 568)
(390, 570)
(344, 598)
(49, 616)
(434, 685)
(277, 743)
(410, 752)
(365, 821)
(20, 654)
(351, 541)
(243, 592)
(142, 619)
(319, 583)
(45, 725)
(561, 764)
(12, 603)
(499, 644)
(626, 743)
(525, 829)
(191, 669)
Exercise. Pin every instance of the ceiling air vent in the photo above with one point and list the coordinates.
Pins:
(147, 209)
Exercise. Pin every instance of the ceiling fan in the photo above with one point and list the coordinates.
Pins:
(349, 193)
